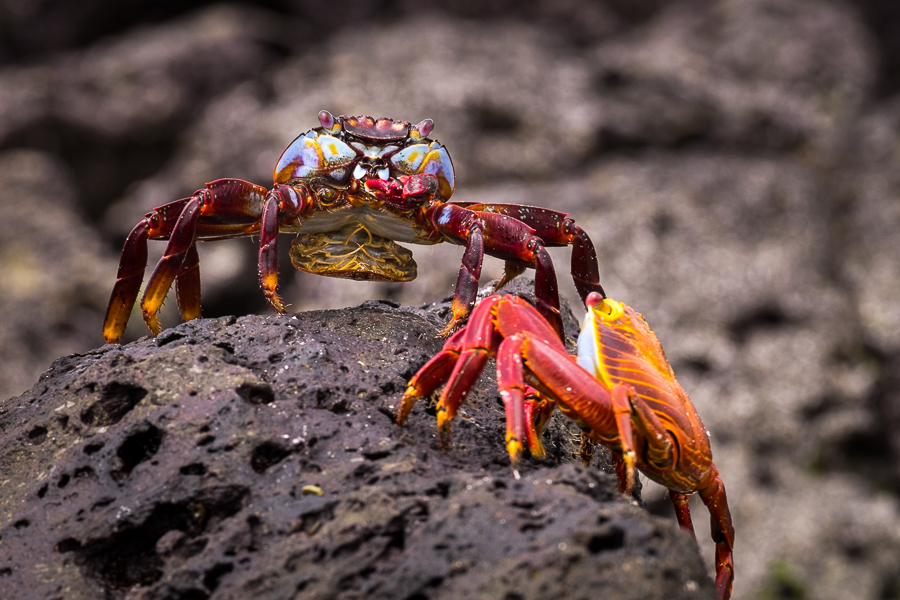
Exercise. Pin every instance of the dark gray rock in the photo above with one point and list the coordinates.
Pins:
(258, 457)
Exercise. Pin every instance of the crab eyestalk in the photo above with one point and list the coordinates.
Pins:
(605, 308)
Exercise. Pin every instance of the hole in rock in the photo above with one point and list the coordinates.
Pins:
(267, 454)
(116, 401)
(137, 447)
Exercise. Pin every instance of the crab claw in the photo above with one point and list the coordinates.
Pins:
(385, 190)
(406, 191)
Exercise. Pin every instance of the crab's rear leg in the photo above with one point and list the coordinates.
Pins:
(132, 265)
(157, 224)
(538, 410)
(226, 208)
(181, 241)
(527, 410)
(722, 530)
(682, 510)
(187, 285)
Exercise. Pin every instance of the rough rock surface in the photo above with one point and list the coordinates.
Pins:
(735, 161)
(258, 457)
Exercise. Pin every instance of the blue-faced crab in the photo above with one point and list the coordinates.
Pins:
(349, 190)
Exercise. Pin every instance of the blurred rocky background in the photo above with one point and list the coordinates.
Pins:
(735, 161)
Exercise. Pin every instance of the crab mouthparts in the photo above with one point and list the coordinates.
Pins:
(353, 253)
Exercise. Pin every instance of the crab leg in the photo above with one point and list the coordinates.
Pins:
(511, 383)
(467, 281)
(538, 411)
(132, 265)
(713, 496)
(527, 411)
(268, 253)
(555, 229)
(682, 510)
(180, 241)
(431, 376)
(460, 363)
(226, 208)
(157, 224)
(503, 237)
(187, 285)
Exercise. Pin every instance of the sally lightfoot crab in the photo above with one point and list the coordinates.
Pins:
(349, 190)
(619, 389)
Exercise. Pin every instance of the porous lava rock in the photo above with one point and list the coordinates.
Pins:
(258, 457)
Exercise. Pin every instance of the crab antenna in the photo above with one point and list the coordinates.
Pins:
(422, 128)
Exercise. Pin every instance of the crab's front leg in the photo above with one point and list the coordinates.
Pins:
(523, 360)
(555, 229)
(459, 364)
(503, 237)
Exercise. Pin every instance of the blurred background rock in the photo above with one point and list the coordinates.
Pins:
(735, 161)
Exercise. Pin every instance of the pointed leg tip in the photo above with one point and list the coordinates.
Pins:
(111, 335)
(444, 432)
(276, 302)
(514, 448)
(448, 330)
(537, 450)
(153, 325)
(406, 405)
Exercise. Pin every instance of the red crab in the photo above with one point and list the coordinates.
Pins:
(619, 389)
(349, 190)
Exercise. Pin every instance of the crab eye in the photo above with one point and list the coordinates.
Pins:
(327, 195)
